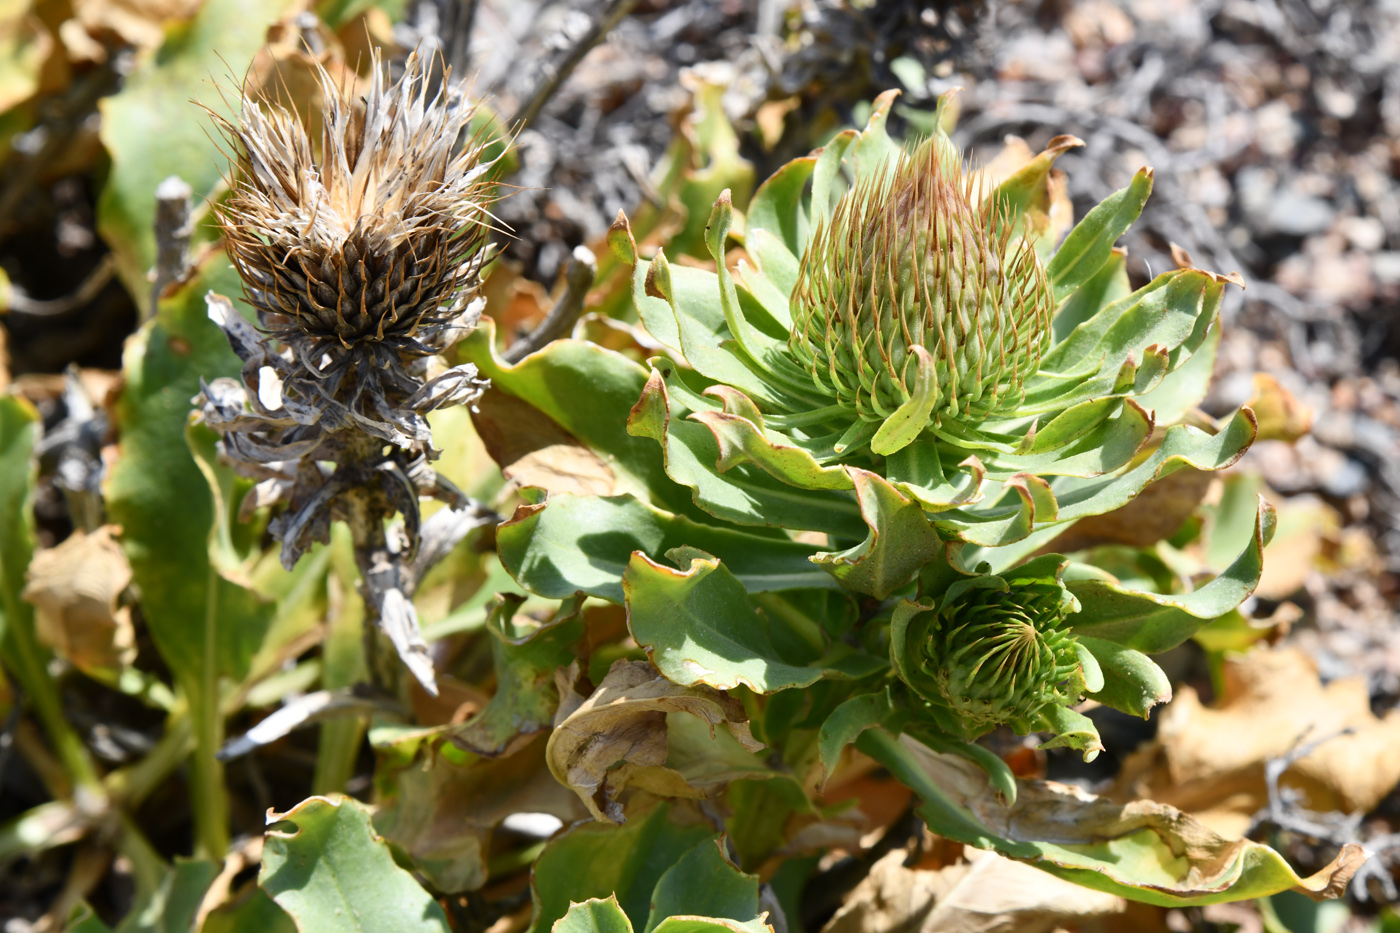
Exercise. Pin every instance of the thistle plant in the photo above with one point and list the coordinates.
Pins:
(361, 253)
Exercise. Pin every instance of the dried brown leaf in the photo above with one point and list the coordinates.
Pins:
(1211, 760)
(533, 450)
(1281, 416)
(75, 588)
(618, 735)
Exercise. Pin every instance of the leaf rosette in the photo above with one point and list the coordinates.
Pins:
(907, 333)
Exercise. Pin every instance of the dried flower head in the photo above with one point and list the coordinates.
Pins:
(369, 247)
(363, 259)
(909, 275)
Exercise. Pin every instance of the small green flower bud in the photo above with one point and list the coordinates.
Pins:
(908, 271)
(993, 654)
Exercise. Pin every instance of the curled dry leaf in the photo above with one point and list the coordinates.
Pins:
(1281, 416)
(1210, 761)
(988, 893)
(76, 587)
(1154, 515)
(619, 735)
(1150, 851)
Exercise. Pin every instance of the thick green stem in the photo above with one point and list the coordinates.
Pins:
(26, 659)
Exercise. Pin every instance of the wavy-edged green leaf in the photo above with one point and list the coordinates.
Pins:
(699, 626)
(1072, 730)
(1141, 850)
(324, 864)
(599, 860)
(846, 723)
(565, 544)
(704, 883)
(1108, 285)
(1152, 623)
(743, 493)
(1090, 244)
(588, 390)
(152, 130)
(778, 211)
(899, 540)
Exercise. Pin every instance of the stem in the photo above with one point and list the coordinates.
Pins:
(26, 660)
(211, 805)
(342, 665)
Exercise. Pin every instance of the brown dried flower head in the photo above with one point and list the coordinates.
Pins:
(372, 243)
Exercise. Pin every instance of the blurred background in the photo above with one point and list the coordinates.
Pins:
(1273, 129)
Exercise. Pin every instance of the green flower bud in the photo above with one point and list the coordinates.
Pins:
(992, 654)
(909, 273)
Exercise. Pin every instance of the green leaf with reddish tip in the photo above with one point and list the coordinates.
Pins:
(743, 493)
(1025, 500)
(741, 441)
(582, 544)
(1186, 386)
(699, 626)
(704, 883)
(595, 915)
(324, 864)
(1025, 199)
(1153, 623)
(1102, 446)
(1089, 246)
(828, 183)
(1132, 682)
(873, 148)
(899, 540)
(1072, 730)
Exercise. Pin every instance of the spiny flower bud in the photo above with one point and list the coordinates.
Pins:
(908, 275)
(994, 655)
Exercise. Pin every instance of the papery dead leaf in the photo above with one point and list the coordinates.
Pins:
(619, 735)
(1281, 416)
(139, 22)
(1152, 850)
(25, 44)
(985, 894)
(1211, 760)
(533, 450)
(444, 807)
(76, 587)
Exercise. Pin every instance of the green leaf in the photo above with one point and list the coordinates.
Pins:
(1090, 244)
(525, 661)
(1152, 623)
(594, 916)
(588, 391)
(778, 211)
(1143, 851)
(700, 627)
(253, 910)
(743, 494)
(598, 860)
(20, 649)
(899, 540)
(1108, 285)
(571, 544)
(324, 865)
(704, 883)
(1072, 730)
(847, 722)
(174, 904)
(1133, 683)
(152, 130)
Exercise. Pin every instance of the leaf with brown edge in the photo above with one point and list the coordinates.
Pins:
(533, 450)
(602, 743)
(1142, 850)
